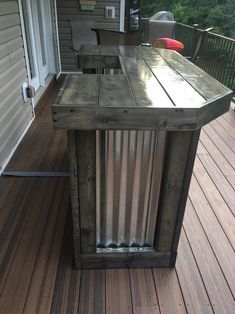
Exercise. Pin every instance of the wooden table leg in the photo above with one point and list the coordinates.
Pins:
(180, 155)
(82, 152)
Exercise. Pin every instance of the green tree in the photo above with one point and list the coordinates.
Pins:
(219, 14)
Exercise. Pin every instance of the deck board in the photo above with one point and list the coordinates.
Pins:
(36, 251)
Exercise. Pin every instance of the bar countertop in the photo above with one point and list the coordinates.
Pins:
(147, 88)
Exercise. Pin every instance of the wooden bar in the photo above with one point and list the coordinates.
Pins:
(136, 89)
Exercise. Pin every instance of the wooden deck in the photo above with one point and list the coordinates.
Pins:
(36, 268)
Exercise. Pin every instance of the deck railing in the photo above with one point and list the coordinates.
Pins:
(216, 56)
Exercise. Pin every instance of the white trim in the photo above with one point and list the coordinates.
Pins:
(57, 37)
(122, 15)
(4, 164)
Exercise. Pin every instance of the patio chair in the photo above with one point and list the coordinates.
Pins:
(161, 25)
(82, 34)
(111, 37)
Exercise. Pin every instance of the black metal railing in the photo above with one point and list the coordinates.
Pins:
(216, 56)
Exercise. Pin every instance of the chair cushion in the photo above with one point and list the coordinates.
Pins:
(168, 43)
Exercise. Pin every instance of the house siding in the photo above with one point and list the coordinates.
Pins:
(70, 10)
(15, 115)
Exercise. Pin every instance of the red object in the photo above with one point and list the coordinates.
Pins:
(168, 43)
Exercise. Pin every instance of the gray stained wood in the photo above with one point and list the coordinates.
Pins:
(36, 251)
(155, 90)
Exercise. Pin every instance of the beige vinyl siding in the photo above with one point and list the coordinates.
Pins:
(70, 10)
(15, 115)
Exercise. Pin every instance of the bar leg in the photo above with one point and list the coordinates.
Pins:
(82, 150)
(181, 151)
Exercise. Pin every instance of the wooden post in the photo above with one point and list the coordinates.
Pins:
(74, 197)
(178, 167)
(86, 168)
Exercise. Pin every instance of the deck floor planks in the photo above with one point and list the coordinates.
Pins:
(92, 292)
(221, 130)
(144, 295)
(44, 273)
(51, 285)
(220, 143)
(118, 293)
(225, 167)
(191, 283)
(216, 285)
(224, 187)
(16, 285)
(220, 208)
(67, 284)
(215, 234)
(11, 231)
(168, 291)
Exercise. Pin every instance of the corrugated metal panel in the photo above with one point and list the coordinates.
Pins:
(14, 114)
(132, 168)
(70, 10)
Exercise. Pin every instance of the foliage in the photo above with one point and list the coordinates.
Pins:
(219, 14)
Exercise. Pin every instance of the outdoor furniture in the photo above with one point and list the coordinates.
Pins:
(161, 25)
(112, 37)
(168, 43)
(132, 141)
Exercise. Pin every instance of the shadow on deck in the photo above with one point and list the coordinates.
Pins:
(36, 254)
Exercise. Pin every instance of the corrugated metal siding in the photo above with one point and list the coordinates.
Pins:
(70, 10)
(127, 211)
(14, 113)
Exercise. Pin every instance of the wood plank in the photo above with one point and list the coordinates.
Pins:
(216, 154)
(181, 93)
(227, 135)
(119, 118)
(191, 282)
(132, 259)
(215, 234)
(92, 292)
(81, 90)
(199, 79)
(74, 197)
(166, 283)
(67, 284)
(219, 142)
(18, 280)
(40, 294)
(147, 90)
(221, 298)
(177, 171)
(110, 87)
(86, 163)
(144, 297)
(220, 208)
(13, 217)
(223, 186)
(118, 294)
